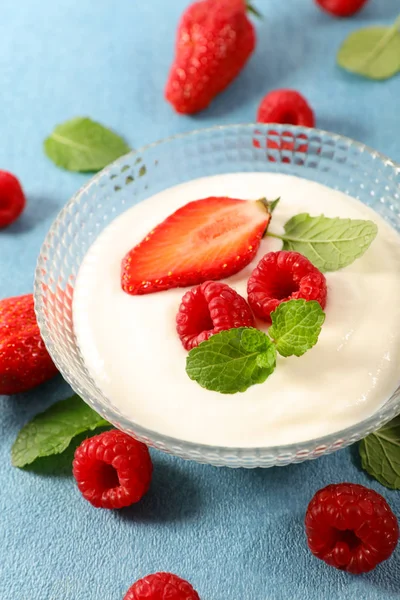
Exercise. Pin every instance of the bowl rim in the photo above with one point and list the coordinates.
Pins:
(328, 442)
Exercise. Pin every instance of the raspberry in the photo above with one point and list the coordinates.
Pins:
(112, 469)
(209, 308)
(282, 276)
(285, 106)
(351, 527)
(12, 199)
(341, 8)
(161, 586)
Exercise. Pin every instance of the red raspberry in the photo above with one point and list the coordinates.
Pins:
(112, 469)
(161, 586)
(12, 199)
(351, 527)
(285, 106)
(341, 8)
(208, 309)
(282, 276)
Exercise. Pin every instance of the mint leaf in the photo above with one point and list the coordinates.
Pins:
(380, 454)
(233, 360)
(373, 52)
(330, 244)
(84, 145)
(51, 431)
(296, 325)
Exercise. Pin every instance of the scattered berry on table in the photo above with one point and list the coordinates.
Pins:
(211, 238)
(286, 107)
(282, 276)
(351, 527)
(161, 586)
(12, 199)
(341, 8)
(112, 469)
(24, 360)
(214, 41)
(208, 309)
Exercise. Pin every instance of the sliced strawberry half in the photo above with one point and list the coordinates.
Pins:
(207, 239)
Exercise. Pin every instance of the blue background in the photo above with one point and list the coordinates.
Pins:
(234, 534)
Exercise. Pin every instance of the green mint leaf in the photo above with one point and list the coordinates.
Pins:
(296, 325)
(84, 145)
(373, 52)
(380, 454)
(330, 244)
(51, 431)
(233, 360)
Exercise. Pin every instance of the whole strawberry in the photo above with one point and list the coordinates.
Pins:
(214, 41)
(24, 360)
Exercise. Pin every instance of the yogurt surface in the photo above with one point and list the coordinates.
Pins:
(130, 345)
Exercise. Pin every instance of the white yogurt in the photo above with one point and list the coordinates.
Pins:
(134, 355)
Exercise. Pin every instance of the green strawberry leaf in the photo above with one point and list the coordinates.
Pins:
(84, 145)
(380, 454)
(296, 325)
(330, 244)
(373, 52)
(233, 360)
(51, 431)
(253, 10)
(273, 204)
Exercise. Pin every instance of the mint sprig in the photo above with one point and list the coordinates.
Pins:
(296, 326)
(380, 454)
(84, 145)
(330, 244)
(232, 361)
(51, 431)
(373, 52)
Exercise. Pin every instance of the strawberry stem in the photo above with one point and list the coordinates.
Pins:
(251, 9)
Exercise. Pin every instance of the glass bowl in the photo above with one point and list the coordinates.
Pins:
(324, 157)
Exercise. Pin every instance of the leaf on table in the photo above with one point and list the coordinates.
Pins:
(296, 326)
(84, 145)
(380, 454)
(373, 52)
(330, 244)
(51, 431)
(233, 360)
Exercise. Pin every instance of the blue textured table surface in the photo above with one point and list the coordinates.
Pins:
(235, 534)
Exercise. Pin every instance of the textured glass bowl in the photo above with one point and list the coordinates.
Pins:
(324, 157)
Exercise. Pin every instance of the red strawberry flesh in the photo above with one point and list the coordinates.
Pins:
(207, 239)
